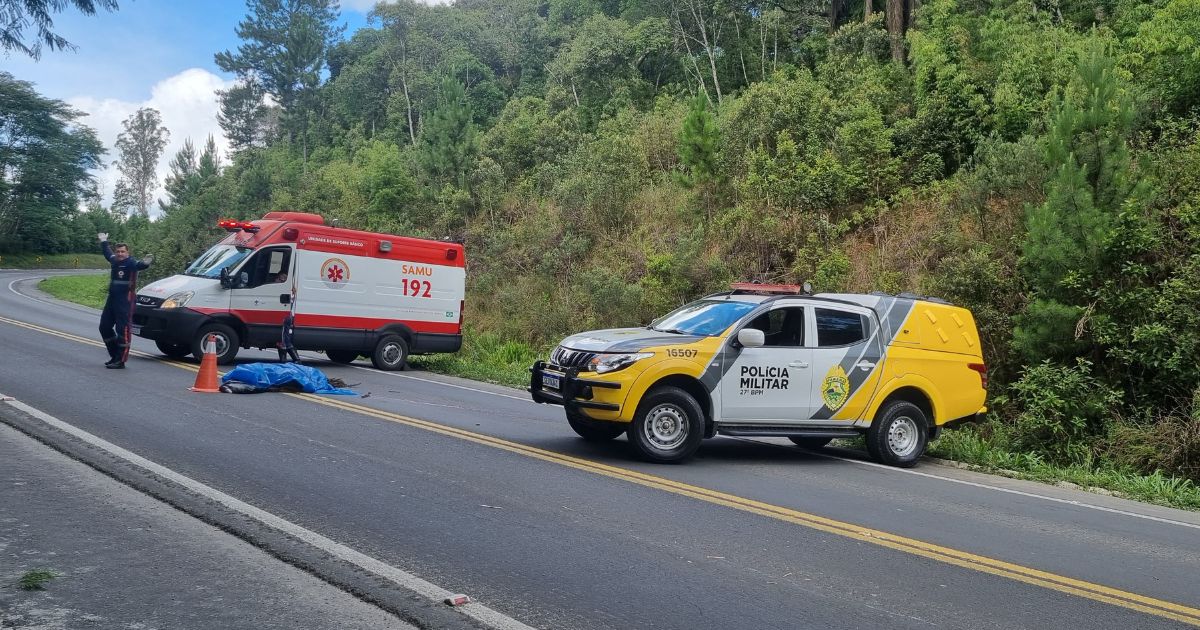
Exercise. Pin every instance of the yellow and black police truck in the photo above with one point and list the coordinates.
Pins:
(772, 360)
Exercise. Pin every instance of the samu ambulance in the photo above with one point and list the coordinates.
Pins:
(771, 360)
(350, 293)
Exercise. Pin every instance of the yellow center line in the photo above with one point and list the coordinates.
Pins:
(947, 555)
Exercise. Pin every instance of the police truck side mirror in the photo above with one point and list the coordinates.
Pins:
(751, 337)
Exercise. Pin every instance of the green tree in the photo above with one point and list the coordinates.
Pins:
(190, 173)
(1064, 253)
(448, 141)
(16, 15)
(246, 119)
(45, 161)
(699, 140)
(140, 147)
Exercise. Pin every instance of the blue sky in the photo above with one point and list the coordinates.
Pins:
(149, 53)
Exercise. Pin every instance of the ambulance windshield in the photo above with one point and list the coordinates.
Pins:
(210, 264)
(703, 317)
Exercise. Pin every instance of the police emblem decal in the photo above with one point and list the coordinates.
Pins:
(335, 272)
(835, 389)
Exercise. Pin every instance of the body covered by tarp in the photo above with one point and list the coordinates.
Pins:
(281, 376)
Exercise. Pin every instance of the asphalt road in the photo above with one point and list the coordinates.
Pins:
(476, 489)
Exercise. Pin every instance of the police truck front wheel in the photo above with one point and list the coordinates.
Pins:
(227, 343)
(668, 426)
(595, 430)
(390, 353)
(898, 435)
(173, 350)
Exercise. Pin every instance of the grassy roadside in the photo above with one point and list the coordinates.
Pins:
(486, 357)
(86, 290)
(53, 261)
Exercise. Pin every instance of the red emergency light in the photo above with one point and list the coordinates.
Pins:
(231, 225)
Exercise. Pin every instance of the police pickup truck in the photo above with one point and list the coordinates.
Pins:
(771, 360)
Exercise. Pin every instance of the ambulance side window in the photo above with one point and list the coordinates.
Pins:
(266, 267)
(782, 327)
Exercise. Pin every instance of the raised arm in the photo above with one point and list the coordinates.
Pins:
(145, 263)
(108, 255)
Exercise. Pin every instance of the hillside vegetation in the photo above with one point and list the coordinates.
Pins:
(1037, 161)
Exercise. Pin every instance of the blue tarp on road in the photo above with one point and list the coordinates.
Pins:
(288, 376)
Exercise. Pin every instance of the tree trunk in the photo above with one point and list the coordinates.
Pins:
(897, 25)
(867, 10)
(835, 7)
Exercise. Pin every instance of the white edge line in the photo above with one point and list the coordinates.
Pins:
(403, 578)
(985, 486)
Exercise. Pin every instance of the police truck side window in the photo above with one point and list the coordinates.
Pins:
(839, 328)
(782, 327)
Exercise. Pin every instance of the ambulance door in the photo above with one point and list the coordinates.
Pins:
(770, 383)
(255, 297)
(847, 361)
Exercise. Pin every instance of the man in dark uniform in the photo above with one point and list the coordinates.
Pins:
(118, 307)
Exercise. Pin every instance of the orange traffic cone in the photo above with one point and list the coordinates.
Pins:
(206, 378)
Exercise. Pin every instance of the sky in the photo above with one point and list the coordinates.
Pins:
(148, 53)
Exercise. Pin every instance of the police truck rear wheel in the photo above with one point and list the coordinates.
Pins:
(227, 343)
(899, 434)
(810, 442)
(391, 353)
(668, 427)
(595, 430)
(341, 356)
(173, 350)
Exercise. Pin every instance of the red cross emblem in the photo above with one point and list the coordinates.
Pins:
(335, 274)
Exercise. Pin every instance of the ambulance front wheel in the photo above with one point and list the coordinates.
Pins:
(227, 343)
(668, 427)
(391, 353)
(173, 350)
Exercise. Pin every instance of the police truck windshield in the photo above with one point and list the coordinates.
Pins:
(210, 264)
(703, 317)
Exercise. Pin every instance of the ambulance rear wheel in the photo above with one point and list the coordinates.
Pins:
(813, 443)
(899, 434)
(341, 356)
(391, 353)
(227, 343)
(668, 426)
(595, 430)
(173, 350)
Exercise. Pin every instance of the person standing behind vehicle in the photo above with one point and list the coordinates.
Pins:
(118, 306)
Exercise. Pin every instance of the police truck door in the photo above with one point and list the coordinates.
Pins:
(770, 383)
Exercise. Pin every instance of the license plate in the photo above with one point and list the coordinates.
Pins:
(551, 381)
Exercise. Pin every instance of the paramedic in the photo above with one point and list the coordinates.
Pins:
(118, 306)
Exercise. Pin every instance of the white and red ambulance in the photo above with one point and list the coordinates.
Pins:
(350, 293)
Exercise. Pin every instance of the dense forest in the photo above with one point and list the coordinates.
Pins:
(1037, 161)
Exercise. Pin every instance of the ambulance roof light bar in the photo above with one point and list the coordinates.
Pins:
(232, 225)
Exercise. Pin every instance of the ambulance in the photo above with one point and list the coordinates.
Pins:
(350, 293)
(774, 361)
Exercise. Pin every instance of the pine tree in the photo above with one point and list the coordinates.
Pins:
(1064, 254)
(699, 140)
(448, 141)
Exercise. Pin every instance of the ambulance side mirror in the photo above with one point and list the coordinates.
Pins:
(226, 282)
(751, 338)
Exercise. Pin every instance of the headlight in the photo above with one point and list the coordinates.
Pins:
(178, 300)
(612, 362)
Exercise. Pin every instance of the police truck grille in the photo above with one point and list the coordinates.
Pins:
(564, 357)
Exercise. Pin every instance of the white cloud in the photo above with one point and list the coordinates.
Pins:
(188, 104)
